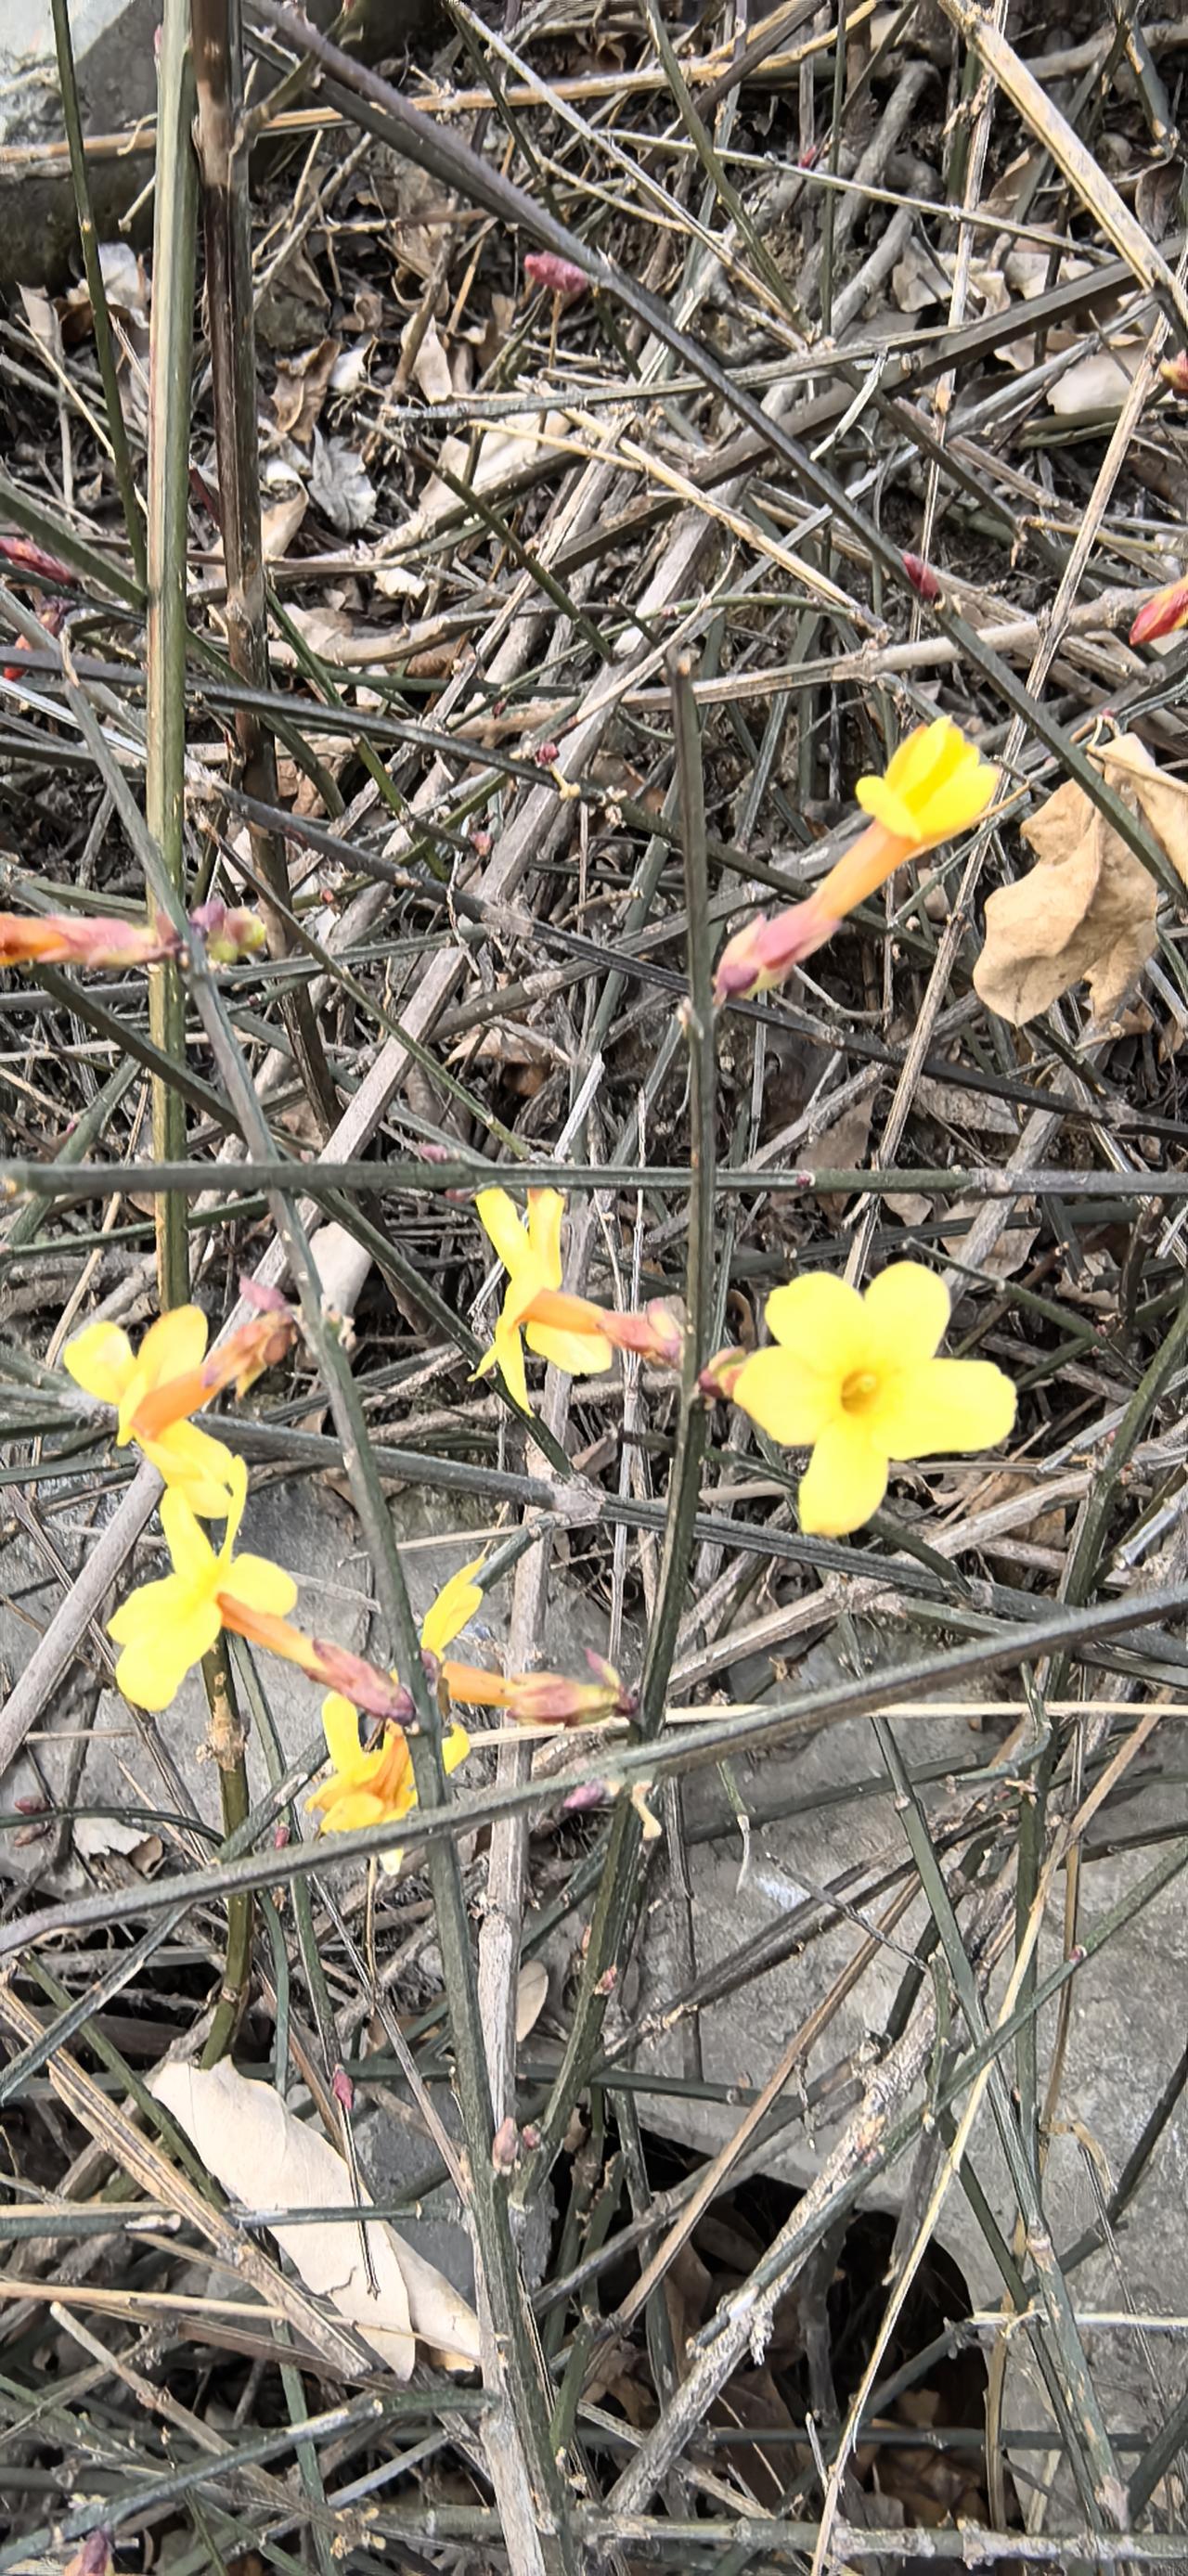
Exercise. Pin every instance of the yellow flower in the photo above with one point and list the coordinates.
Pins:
(456, 1603)
(101, 1361)
(376, 1787)
(531, 1256)
(854, 1379)
(370, 1787)
(165, 1628)
(936, 784)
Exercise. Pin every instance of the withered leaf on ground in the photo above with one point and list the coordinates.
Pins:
(341, 485)
(1087, 911)
(300, 389)
(260, 2152)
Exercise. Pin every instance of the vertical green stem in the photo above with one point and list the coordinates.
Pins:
(620, 1885)
(226, 216)
(92, 267)
(168, 458)
(225, 1746)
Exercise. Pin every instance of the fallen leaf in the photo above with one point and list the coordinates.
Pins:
(531, 1988)
(300, 389)
(918, 279)
(843, 1146)
(1006, 1256)
(431, 367)
(279, 525)
(255, 2147)
(341, 485)
(1088, 909)
(350, 368)
(42, 318)
(1099, 382)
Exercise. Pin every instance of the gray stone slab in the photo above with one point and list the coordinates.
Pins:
(113, 42)
(1128, 2025)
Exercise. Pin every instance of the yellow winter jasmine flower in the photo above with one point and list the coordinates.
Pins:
(100, 1359)
(936, 784)
(455, 1605)
(856, 1380)
(166, 1628)
(374, 1786)
(531, 1256)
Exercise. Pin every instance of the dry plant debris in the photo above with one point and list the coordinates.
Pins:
(464, 551)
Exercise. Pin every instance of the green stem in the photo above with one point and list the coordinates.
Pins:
(165, 661)
(104, 350)
(621, 1884)
(225, 1744)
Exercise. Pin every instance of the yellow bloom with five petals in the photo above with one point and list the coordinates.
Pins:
(856, 1380)
(166, 1628)
(531, 1256)
(100, 1359)
(375, 1785)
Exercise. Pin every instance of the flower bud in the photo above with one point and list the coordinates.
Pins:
(228, 935)
(360, 1682)
(1174, 372)
(718, 1377)
(922, 577)
(561, 276)
(61, 939)
(553, 1699)
(1161, 614)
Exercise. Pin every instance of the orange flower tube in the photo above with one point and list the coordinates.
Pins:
(936, 784)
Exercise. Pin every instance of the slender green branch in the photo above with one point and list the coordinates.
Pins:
(225, 1745)
(165, 658)
(620, 1886)
(104, 350)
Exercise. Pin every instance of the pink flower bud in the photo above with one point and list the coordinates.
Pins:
(342, 2089)
(561, 276)
(1162, 614)
(228, 935)
(922, 577)
(24, 556)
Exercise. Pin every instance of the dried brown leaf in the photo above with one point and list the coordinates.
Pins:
(301, 387)
(253, 2144)
(279, 525)
(431, 367)
(1088, 909)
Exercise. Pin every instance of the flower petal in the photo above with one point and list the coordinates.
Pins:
(196, 1466)
(845, 1481)
(522, 1292)
(455, 1746)
(785, 1397)
(193, 1556)
(237, 1484)
(510, 1357)
(941, 1407)
(579, 1354)
(545, 1211)
(150, 1607)
(174, 1345)
(455, 1604)
(99, 1359)
(823, 1320)
(359, 1807)
(341, 1724)
(259, 1585)
(498, 1217)
(151, 1671)
(907, 1314)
